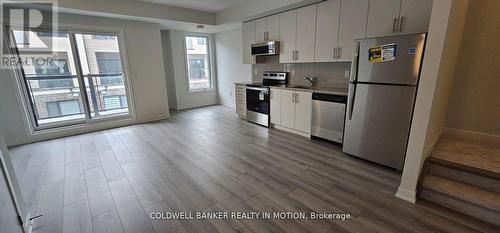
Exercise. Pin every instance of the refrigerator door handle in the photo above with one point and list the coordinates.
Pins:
(354, 67)
(351, 100)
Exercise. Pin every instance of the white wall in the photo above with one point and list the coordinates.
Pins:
(248, 9)
(184, 98)
(146, 72)
(137, 8)
(230, 67)
(169, 69)
(475, 102)
(443, 43)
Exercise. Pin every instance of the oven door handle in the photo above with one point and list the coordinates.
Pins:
(257, 88)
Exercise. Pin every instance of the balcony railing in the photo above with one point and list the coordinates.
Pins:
(65, 81)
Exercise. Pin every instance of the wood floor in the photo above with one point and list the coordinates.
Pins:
(206, 160)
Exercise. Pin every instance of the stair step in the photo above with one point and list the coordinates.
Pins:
(465, 176)
(465, 198)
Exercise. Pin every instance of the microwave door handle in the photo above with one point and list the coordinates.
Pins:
(355, 62)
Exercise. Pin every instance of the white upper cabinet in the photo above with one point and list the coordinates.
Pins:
(415, 16)
(398, 17)
(273, 27)
(248, 36)
(288, 36)
(306, 34)
(353, 17)
(260, 30)
(383, 17)
(327, 31)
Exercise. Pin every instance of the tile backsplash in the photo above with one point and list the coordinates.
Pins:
(330, 74)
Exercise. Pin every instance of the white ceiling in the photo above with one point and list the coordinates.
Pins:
(203, 5)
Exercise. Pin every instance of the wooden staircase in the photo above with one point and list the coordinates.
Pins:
(464, 176)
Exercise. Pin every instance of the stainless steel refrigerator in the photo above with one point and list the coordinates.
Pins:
(382, 89)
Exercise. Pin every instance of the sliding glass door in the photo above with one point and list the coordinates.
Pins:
(71, 78)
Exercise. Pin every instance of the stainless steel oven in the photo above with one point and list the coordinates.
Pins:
(258, 105)
(258, 102)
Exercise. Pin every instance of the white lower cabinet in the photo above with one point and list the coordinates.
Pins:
(275, 106)
(294, 109)
(241, 100)
(287, 108)
(303, 111)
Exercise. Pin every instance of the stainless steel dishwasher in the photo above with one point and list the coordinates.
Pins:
(328, 114)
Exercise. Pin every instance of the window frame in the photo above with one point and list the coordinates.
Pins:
(211, 65)
(24, 98)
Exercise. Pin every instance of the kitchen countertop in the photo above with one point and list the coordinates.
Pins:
(315, 89)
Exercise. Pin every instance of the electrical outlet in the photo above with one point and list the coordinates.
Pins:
(347, 74)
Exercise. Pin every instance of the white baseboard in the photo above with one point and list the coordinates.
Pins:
(407, 195)
(472, 136)
(307, 135)
(195, 105)
(228, 104)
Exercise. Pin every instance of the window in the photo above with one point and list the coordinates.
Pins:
(53, 68)
(72, 86)
(198, 62)
(109, 63)
(115, 102)
(103, 37)
(63, 108)
(52, 34)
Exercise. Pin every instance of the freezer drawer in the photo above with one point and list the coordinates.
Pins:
(378, 122)
(403, 70)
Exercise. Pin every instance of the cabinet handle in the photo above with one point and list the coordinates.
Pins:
(334, 53)
(394, 28)
(297, 58)
(293, 97)
(266, 36)
(296, 98)
(339, 52)
(401, 26)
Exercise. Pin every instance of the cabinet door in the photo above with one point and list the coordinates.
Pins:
(327, 29)
(306, 33)
(287, 108)
(288, 35)
(415, 16)
(260, 30)
(383, 18)
(248, 35)
(353, 16)
(276, 106)
(273, 27)
(303, 111)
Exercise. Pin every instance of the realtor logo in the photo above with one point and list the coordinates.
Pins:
(24, 21)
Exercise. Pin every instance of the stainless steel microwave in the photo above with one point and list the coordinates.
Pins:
(266, 48)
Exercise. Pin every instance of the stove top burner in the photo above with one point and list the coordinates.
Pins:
(272, 79)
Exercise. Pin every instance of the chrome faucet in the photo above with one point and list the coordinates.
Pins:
(310, 80)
